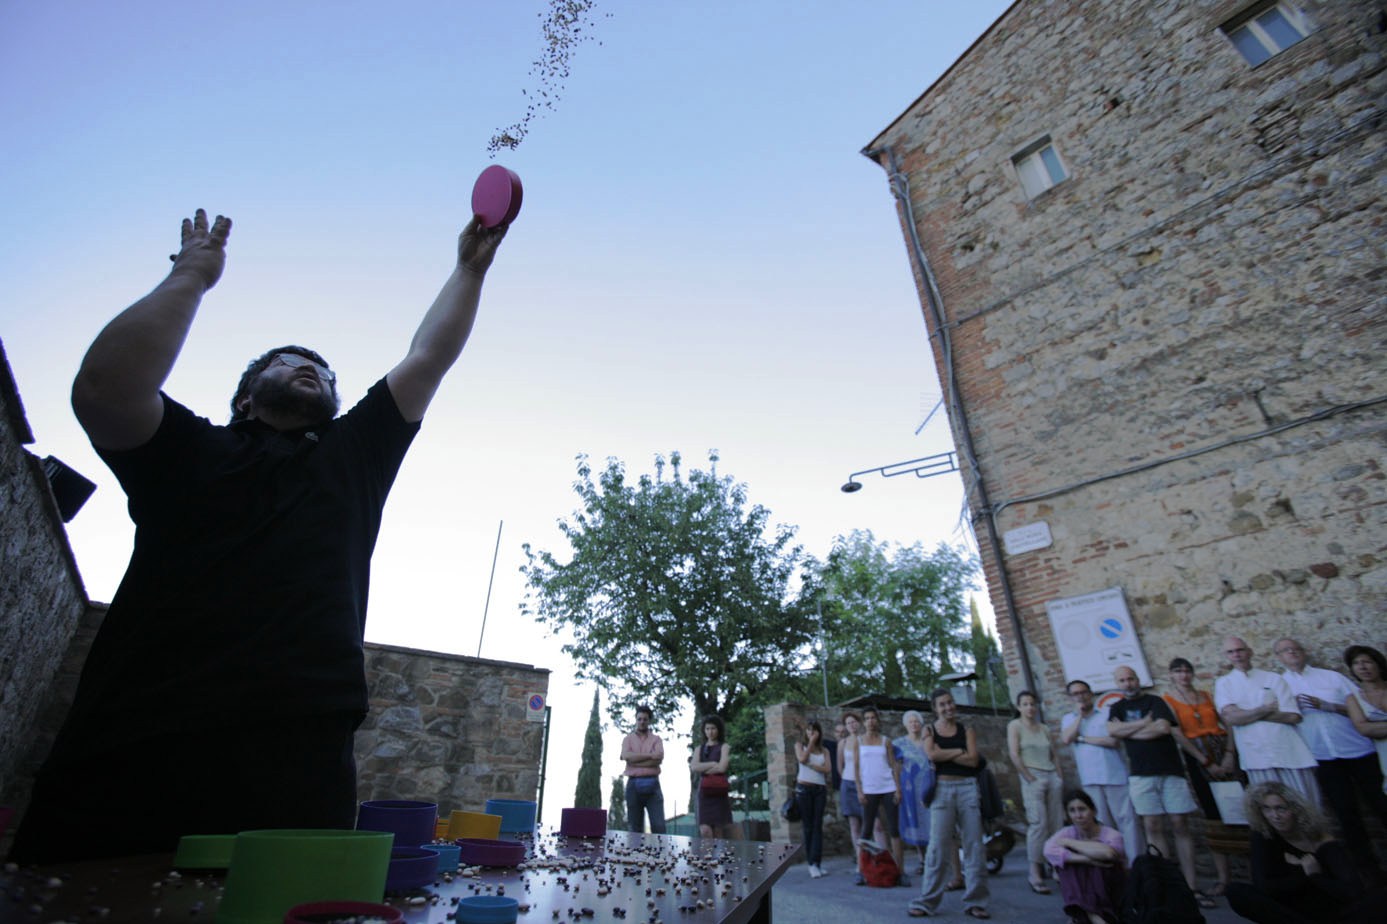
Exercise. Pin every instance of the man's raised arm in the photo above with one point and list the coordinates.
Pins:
(116, 392)
(442, 334)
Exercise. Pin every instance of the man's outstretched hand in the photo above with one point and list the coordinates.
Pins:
(477, 245)
(203, 253)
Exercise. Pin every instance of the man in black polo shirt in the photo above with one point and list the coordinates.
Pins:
(224, 686)
(1157, 785)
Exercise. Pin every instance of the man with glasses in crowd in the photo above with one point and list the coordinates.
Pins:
(224, 686)
(1102, 772)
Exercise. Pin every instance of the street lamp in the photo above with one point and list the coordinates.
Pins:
(924, 467)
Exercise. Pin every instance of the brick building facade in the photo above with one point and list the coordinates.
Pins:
(1152, 265)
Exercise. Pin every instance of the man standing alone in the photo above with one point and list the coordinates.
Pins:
(643, 752)
(1158, 788)
(226, 682)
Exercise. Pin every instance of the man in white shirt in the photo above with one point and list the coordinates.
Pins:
(1261, 710)
(1347, 760)
(1102, 771)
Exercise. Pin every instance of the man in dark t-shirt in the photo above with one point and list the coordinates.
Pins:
(224, 686)
(1157, 786)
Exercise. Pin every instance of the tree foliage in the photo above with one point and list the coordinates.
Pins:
(589, 792)
(675, 589)
(616, 811)
(987, 661)
(894, 619)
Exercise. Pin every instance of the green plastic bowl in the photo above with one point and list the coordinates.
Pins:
(272, 871)
(204, 851)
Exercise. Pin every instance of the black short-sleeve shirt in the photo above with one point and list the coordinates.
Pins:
(1154, 757)
(245, 596)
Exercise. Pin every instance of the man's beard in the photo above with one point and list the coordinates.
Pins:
(282, 397)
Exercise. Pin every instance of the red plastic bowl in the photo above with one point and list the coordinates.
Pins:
(480, 851)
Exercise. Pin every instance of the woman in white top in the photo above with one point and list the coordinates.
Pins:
(1368, 707)
(811, 792)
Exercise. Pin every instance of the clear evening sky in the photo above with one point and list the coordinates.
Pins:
(704, 259)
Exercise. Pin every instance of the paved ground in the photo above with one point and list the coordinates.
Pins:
(797, 899)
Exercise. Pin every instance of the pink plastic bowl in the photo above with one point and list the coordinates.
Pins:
(479, 851)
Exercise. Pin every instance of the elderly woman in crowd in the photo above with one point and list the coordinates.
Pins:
(917, 778)
(1089, 861)
(1299, 872)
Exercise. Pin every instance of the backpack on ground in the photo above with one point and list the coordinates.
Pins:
(878, 868)
(1156, 892)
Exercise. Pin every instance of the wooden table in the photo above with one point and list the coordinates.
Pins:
(638, 878)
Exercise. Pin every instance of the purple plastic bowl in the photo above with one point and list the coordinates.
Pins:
(411, 867)
(583, 822)
(481, 851)
(412, 823)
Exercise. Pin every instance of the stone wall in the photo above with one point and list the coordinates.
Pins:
(1177, 357)
(784, 724)
(449, 729)
(43, 604)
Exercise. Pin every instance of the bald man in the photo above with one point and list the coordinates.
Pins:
(1261, 709)
(1143, 723)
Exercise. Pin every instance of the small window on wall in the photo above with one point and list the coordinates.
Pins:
(1039, 167)
(1266, 29)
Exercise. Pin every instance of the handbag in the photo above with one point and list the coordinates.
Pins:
(790, 810)
(1228, 795)
(714, 784)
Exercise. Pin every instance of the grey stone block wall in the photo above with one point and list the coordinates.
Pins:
(43, 604)
(1177, 357)
(450, 729)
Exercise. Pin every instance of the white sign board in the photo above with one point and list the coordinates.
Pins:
(1095, 636)
(534, 707)
(1027, 538)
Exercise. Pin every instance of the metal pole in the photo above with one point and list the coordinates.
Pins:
(491, 581)
(543, 764)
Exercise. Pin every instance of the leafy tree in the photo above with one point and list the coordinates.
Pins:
(675, 590)
(589, 792)
(892, 619)
(616, 811)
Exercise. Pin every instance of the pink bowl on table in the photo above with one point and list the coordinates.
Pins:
(480, 851)
(583, 822)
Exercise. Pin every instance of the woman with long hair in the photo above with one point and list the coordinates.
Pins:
(1299, 872)
(710, 762)
(1032, 752)
(1207, 748)
(1089, 861)
(811, 792)
(917, 778)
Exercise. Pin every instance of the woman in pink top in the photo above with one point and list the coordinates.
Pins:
(1089, 860)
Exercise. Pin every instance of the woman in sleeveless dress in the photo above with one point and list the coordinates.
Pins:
(711, 760)
(917, 777)
(1368, 707)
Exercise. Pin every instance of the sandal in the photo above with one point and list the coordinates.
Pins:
(1040, 888)
(917, 909)
(1204, 901)
(981, 914)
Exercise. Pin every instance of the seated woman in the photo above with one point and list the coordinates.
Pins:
(1089, 861)
(1299, 873)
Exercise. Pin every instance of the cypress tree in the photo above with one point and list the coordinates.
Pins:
(589, 793)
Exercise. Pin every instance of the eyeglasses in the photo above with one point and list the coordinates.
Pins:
(295, 361)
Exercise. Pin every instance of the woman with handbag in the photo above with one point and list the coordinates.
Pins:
(1208, 750)
(710, 762)
(811, 794)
